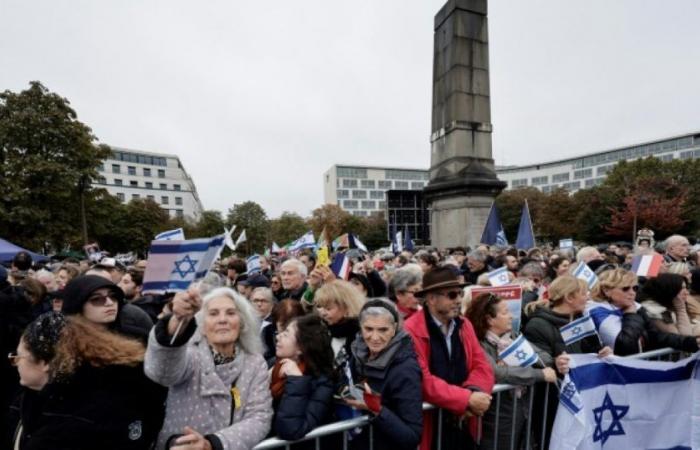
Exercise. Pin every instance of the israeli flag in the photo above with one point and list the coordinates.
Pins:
(305, 241)
(607, 320)
(624, 403)
(174, 265)
(172, 235)
(519, 353)
(253, 264)
(585, 273)
(577, 330)
(499, 277)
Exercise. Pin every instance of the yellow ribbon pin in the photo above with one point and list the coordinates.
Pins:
(235, 393)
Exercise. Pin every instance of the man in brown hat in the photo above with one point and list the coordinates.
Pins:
(456, 375)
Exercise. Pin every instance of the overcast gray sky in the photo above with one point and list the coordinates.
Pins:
(260, 98)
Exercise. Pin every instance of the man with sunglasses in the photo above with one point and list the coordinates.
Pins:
(456, 375)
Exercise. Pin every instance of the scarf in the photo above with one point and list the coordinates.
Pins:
(277, 380)
(346, 328)
(220, 358)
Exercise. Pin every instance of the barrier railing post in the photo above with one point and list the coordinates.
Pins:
(498, 415)
(531, 392)
(544, 420)
(439, 430)
(514, 419)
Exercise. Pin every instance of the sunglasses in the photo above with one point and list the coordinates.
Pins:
(452, 295)
(635, 288)
(101, 300)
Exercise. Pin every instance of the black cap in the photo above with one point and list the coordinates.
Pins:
(79, 289)
(255, 280)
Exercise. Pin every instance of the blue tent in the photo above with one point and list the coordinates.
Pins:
(8, 250)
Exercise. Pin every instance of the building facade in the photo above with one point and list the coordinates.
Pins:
(134, 174)
(407, 211)
(590, 170)
(361, 190)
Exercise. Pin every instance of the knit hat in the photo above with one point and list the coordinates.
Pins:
(78, 291)
(42, 335)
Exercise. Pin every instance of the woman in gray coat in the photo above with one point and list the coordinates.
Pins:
(492, 321)
(219, 397)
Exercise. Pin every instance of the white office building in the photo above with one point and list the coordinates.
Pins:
(134, 174)
(361, 190)
(591, 169)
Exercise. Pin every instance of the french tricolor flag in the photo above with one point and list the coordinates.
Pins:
(647, 265)
(341, 266)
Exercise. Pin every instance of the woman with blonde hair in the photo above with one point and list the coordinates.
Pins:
(339, 304)
(83, 388)
(622, 323)
(567, 301)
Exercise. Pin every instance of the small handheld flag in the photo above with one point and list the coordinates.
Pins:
(305, 241)
(519, 353)
(253, 264)
(227, 238)
(499, 277)
(647, 265)
(566, 243)
(341, 266)
(172, 235)
(577, 330)
(585, 273)
(241, 239)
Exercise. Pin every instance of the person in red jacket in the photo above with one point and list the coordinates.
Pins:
(457, 377)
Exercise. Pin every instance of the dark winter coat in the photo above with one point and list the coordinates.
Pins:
(305, 405)
(639, 334)
(295, 294)
(151, 305)
(396, 376)
(115, 407)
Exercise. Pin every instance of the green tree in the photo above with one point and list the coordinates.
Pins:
(251, 217)
(287, 227)
(210, 223)
(332, 217)
(48, 159)
(375, 235)
(557, 219)
(510, 206)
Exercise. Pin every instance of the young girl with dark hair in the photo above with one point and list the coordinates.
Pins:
(301, 384)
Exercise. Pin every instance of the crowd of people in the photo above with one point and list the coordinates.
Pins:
(95, 362)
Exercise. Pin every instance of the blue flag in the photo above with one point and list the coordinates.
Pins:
(526, 238)
(493, 231)
(408, 242)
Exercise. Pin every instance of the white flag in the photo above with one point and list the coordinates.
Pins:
(499, 277)
(305, 241)
(228, 240)
(621, 403)
(253, 264)
(585, 273)
(173, 265)
(172, 235)
(578, 329)
(519, 353)
(241, 239)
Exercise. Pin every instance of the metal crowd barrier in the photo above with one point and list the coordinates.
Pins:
(666, 354)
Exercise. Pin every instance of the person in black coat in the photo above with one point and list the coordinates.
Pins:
(637, 332)
(388, 380)
(301, 385)
(83, 388)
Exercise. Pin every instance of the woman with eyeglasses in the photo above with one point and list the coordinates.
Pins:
(83, 388)
(623, 324)
(402, 288)
(492, 321)
(664, 297)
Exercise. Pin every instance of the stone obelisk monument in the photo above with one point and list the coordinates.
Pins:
(463, 182)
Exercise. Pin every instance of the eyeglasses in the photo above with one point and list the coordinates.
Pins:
(452, 295)
(635, 288)
(101, 299)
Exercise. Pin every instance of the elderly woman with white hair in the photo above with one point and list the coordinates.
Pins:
(219, 394)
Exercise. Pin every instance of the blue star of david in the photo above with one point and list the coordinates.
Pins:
(186, 260)
(615, 428)
(576, 330)
(521, 355)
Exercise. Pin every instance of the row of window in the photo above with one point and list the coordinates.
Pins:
(381, 184)
(640, 151)
(164, 200)
(364, 204)
(131, 170)
(139, 158)
(134, 183)
(395, 174)
(345, 193)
